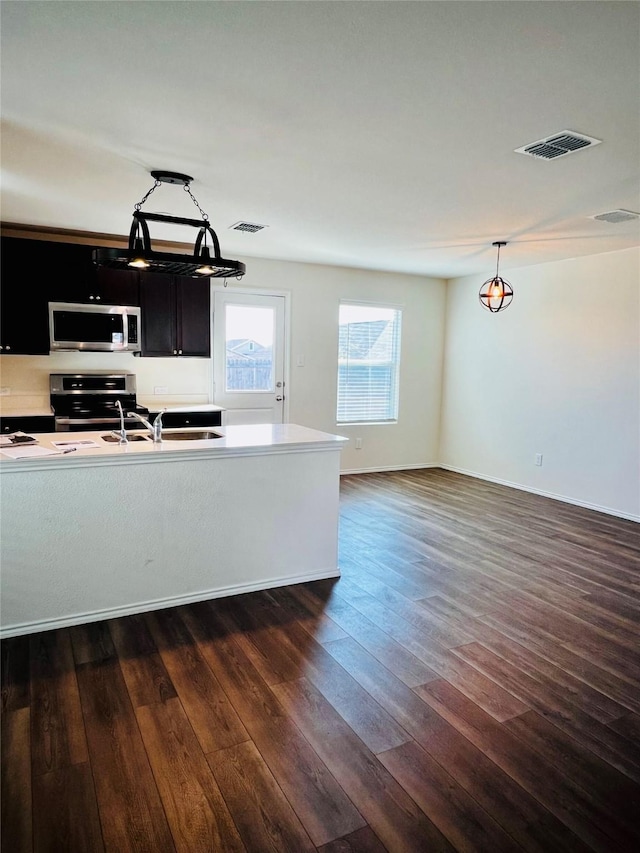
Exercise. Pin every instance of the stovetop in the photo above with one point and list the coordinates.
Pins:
(93, 395)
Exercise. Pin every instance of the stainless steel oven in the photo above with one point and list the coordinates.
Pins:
(87, 401)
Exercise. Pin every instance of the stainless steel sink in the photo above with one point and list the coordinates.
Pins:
(189, 435)
(131, 436)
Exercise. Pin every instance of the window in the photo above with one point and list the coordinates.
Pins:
(368, 363)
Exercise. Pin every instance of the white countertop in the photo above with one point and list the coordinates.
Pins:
(249, 440)
(15, 409)
(155, 404)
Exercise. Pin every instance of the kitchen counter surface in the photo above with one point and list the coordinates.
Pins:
(155, 405)
(253, 439)
(15, 409)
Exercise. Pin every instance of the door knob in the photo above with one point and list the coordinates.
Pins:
(279, 399)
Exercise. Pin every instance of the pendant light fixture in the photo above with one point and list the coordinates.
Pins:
(496, 293)
(139, 254)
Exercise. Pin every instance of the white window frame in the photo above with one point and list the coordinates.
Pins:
(394, 396)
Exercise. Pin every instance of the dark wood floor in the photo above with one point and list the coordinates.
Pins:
(470, 683)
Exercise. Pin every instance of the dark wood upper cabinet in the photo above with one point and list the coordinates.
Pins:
(176, 315)
(79, 280)
(24, 315)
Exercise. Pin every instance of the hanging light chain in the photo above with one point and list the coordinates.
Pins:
(145, 197)
(187, 189)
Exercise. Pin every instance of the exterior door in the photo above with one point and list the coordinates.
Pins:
(248, 357)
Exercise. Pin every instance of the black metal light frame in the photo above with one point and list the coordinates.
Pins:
(170, 263)
(496, 293)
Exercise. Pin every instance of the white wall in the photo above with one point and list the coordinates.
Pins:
(315, 293)
(556, 373)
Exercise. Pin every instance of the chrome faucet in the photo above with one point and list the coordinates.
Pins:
(155, 428)
(121, 433)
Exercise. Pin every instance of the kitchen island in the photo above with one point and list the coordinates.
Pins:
(112, 530)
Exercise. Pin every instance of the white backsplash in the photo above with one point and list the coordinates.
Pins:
(187, 380)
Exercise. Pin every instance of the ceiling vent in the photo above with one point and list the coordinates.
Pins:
(249, 227)
(558, 145)
(616, 216)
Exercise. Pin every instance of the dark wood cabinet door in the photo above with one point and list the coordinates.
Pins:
(157, 308)
(24, 310)
(33, 423)
(118, 287)
(193, 316)
(190, 419)
(75, 275)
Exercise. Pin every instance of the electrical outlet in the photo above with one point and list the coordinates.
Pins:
(358, 444)
(161, 389)
(538, 459)
(5, 391)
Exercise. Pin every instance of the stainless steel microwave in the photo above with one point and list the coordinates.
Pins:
(93, 328)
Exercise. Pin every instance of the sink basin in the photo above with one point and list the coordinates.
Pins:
(189, 435)
(135, 437)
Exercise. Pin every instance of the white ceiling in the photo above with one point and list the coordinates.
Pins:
(369, 134)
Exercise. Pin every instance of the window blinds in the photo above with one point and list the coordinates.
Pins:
(368, 363)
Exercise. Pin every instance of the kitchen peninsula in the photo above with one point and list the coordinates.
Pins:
(113, 530)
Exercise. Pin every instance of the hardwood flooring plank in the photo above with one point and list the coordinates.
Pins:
(628, 726)
(390, 812)
(457, 815)
(580, 665)
(598, 737)
(212, 716)
(361, 841)
(57, 727)
(558, 793)
(264, 818)
(594, 702)
(364, 715)
(322, 806)
(131, 813)
(65, 812)
(16, 691)
(16, 835)
(407, 667)
(242, 619)
(510, 805)
(198, 816)
(317, 624)
(428, 624)
(91, 642)
(615, 793)
(477, 687)
(614, 602)
(144, 672)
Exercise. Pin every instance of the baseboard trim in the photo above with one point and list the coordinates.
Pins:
(563, 498)
(381, 469)
(160, 604)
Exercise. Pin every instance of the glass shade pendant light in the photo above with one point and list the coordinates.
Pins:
(496, 293)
